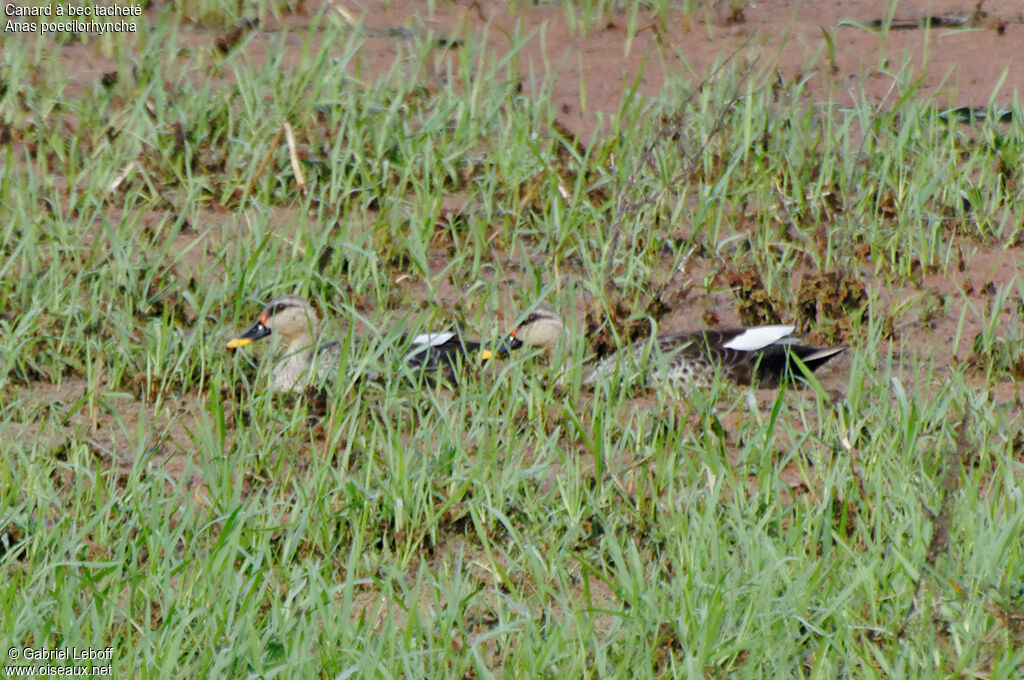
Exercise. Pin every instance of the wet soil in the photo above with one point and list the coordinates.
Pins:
(962, 53)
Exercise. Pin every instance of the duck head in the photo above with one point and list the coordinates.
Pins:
(541, 328)
(288, 315)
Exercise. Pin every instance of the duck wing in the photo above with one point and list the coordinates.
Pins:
(440, 352)
(763, 354)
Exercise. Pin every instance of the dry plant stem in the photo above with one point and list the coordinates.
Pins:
(263, 165)
(158, 497)
(293, 157)
(343, 12)
(855, 470)
(122, 176)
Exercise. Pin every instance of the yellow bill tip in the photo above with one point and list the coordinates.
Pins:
(486, 354)
(239, 342)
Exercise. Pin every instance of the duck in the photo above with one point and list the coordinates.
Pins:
(764, 356)
(306, 360)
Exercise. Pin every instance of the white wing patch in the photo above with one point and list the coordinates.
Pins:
(823, 353)
(432, 339)
(754, 339)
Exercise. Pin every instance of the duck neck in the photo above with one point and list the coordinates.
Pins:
(290, 371)
(559, 358)
(300, 345)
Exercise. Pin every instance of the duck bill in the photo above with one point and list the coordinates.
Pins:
(257, 331)
(503, 350)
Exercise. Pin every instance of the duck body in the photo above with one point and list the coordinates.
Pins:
(306, 361)
(762, 355)
(441, 354)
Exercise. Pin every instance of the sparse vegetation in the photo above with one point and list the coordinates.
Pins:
(156, 500)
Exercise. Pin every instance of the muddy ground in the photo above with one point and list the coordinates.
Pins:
(959, 68)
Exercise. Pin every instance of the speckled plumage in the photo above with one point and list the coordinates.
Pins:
(763, 355)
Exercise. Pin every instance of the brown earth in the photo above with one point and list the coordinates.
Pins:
(958, 67)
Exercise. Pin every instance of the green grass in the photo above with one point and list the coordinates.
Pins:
(155, 499)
